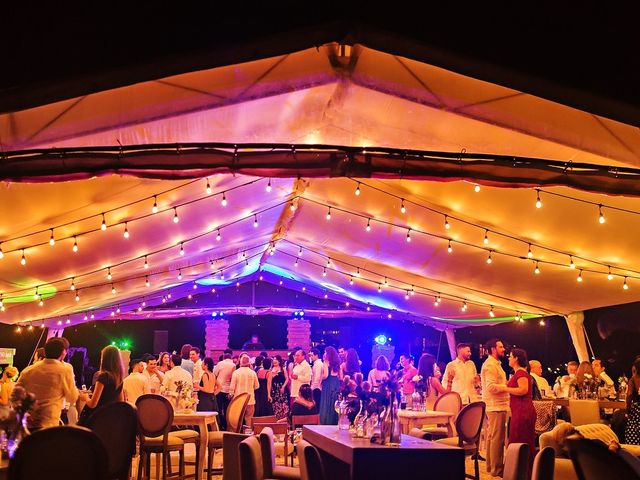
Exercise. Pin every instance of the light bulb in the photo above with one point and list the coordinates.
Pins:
(223, 202)
(486, 237)
(52, 241)
(255, 221)
(447, 225)
(36, 295)
(1, 252)
(296, 263)
(113, 289)
(329, 214)
(449, 247)
(529, 252)
(154, 209)
(146, 263)
(491, 314)
(182, 249)
(464, 306)
(211, 264)
(179, 274)
(412, 290)
(625, 285)
(75, 245)
(218, 236)
(126, 231)
(329, 262)
(409, 235)
(476, 188)
(268, 186)
(144, 303)
(386, 282)
(406, 295)
(436, 302)
(601, 217)
(103, 226)
(380, 288)
(538, 201)
(176, 219)
(571, 264)
(77, 296)
(208, 188)
(147, 282)
(23, 260)
(73, 285)
(357, 192)
(610, 275)
(542, 322)
(292, 206)
(300, 252)
(351, 281)
(537, 269)
(579, 279)
(109, 276)
(324, 272)
(368, 227)
(358, 272)
(402, 207)
(489, 259)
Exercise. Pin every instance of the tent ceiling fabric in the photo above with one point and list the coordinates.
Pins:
(362, 98)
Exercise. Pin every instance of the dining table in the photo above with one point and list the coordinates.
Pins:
(345, 457)
(603, 403)
(416, 418)
(202, 420)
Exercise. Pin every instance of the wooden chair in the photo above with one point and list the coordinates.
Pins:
(299, 420)
(263, 419)
(231, 455)
(311, 467)
(592, 460)
(584, 412)
(234, 417)
(516, 463)
(469, 428)
(155, 418)
(266, 434)
(116, 424)
(449, 402)
(543, 464)
(60, 452)
(250, 459)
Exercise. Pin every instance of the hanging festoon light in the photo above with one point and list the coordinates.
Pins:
(408, 235)
(296, 263)
(292, 206)
(109, 276)
(103, 225)
(1, 252)
(464, 306)
(358, 272)
(447, 225)
(449, 247)
(542, 322)
(529, 252)
(75, 244)
(402, 207)
(179, 274)
(36, 295)
(154, 209)
(380, 288)
(413, 292)
(23, 260)
(579, 278)
(52, 241)
(476, 188)
(218, 236)
(350, 280)
(255, 221)
(224, 202)
(300, 252)
(182, 249)
(357, 192)
(77, 295)
(324, 271)
(268, 186)
(146, 263)
(538, 201)
(368, 227)
(536, 270)
(406, 295)
(126, 231)
(625, 285)
(329, 214)
(113, 289)
(601, 218)
(573, 265)
(610, 275)
(491, 313)
(208, 188)
(73, 284)
(485, 240)
(147, 282)
(489, 259)
(176, 218)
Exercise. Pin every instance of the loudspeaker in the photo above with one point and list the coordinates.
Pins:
(160, 341)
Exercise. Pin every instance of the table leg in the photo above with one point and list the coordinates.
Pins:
(202, 453)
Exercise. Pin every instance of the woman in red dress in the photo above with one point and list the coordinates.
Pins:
(523, 414)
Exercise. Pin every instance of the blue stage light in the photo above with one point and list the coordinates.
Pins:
(381, 340)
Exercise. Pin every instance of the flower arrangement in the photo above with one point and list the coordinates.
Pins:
(22, 402)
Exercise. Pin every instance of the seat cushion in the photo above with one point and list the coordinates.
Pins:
(157, 441)
(453, 441)
(436, 430)
(285, 473)
(280, 448)
(215, 439)
(633, 449)
(188, 436)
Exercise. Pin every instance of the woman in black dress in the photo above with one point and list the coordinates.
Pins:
(263, 406)
(206, 389)
(277, 388)
(108, 386)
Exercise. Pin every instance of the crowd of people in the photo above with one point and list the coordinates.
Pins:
(307, 383)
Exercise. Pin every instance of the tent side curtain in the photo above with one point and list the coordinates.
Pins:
(179, 161)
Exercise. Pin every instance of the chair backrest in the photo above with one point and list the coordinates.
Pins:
(231, 455)
(263, 419)
(155, 415)
(305, 420)
(593, 460)
(266, 433)
(116, 424)
(311, 467)
(583, 412)
(449, 402)
(235, 412)
(250, 459)
(543, 464)
(60, 452)
(516, 463)
(469, 422)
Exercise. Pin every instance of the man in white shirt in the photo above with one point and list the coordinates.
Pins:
(497, 401)
(133, 386)
(461, 374)
(51, 381)
(316, 374)
(245, 380)
(194, 356)
(563, 385)
(176, 374)
(153, 375)
(536, 373)
(300, 374)
(598, 371)
(222, 372)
